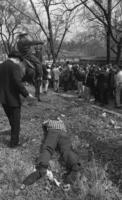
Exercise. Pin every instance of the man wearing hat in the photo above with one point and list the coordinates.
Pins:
(24, 46)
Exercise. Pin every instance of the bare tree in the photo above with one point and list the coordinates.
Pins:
(11, 20)
(104, 11)
(58, 21)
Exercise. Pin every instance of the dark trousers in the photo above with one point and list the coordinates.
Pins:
(37, 88)
(38, 73)
(104, 94)
(56, 140)
(13, 114)
(65, 85)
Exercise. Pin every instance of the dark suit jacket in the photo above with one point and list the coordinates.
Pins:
(11, 85)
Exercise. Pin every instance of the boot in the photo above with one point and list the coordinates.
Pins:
(71, 177)
(34, 176)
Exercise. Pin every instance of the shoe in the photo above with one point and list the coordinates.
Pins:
(71, 177)
(32, 178)
(35, 176)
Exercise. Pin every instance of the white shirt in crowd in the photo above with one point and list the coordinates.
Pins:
(70, 67)
(118, 77)
(56, 73)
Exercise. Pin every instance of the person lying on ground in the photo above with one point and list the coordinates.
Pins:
(55, 139)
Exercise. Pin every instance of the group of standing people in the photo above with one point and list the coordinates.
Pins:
(50, 78)
(104, 84)
(93, 82)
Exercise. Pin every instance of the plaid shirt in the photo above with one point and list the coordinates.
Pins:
(55, 124)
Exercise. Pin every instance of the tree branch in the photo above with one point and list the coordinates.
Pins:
(37, 16)
(23, 13)
(116, 4)
(98, 17)
(74, 7)
(102, 8)
(1, 33)
(114, 51)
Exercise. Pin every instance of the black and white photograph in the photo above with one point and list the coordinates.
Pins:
(60, 99)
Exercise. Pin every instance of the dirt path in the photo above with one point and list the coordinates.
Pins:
(91, 134)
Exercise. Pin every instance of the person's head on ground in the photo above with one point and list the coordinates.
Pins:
(52, 121)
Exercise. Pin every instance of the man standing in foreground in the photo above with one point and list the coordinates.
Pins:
(11, 87)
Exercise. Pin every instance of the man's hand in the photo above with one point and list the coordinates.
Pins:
(30, 99)
(31, 96)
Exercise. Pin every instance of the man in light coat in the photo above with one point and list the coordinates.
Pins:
(118, 87)
(56, 77)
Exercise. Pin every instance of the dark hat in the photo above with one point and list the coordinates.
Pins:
(22, 34)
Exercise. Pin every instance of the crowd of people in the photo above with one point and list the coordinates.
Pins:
(101, 84)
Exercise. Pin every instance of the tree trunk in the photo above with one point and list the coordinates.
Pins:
(108, 32)
(119, 49)
(50, 39)
(54, 58)
(48, 55)
(108, 47)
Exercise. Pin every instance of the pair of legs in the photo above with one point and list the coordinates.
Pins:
(56, 140)
(80, 87)
(44, 86)
(118, 95)
(104, 94)
(38, 73)
(13, 114)
(38, 83)
(56, 85)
